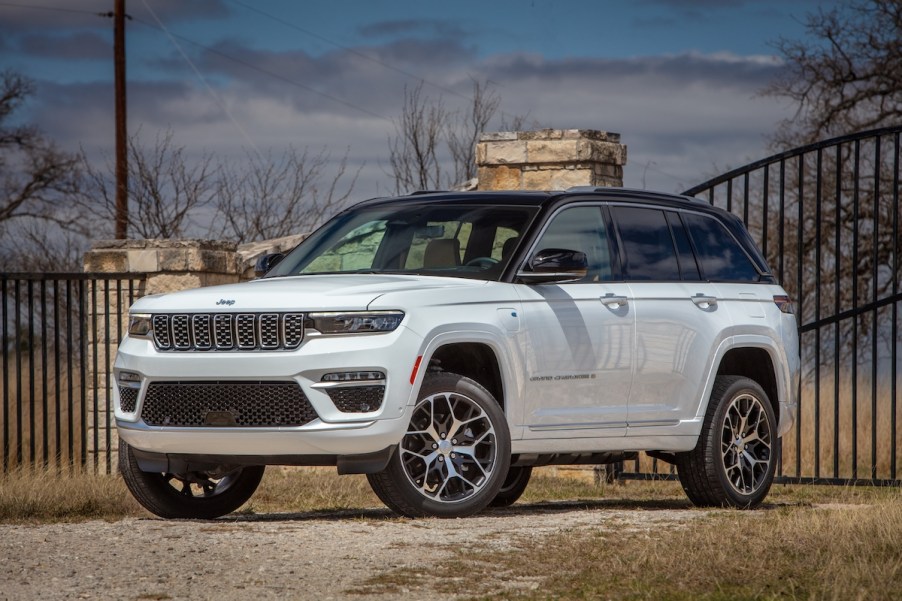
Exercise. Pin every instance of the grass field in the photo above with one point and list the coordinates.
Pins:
(808, 542)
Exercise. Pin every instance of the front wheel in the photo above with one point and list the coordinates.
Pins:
(734, 461)
(455, 455)
(513, 487)
(193, 495)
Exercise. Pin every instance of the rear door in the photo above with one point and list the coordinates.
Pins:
(679, 318)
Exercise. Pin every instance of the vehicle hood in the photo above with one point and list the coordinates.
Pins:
(353, 292)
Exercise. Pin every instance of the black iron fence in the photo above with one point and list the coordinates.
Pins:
(59, 334)
(825, 215)
(827, 218)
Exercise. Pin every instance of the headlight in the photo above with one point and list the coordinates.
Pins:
(355, 323)
(139, 325)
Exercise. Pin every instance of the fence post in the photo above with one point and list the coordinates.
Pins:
(549, 159)
(142, 267)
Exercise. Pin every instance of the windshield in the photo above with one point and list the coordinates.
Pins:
(426, 239)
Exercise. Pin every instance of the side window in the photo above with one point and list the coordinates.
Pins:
(648, 252)
(582, 229)
(688, 266)
(722, 259)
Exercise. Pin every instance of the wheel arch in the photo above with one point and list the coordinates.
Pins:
(755, 363)
(475, 360)
(478, 355)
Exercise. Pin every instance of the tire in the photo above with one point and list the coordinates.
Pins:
(195, 495)
(455, 455)
(513, 487)
(734, 462)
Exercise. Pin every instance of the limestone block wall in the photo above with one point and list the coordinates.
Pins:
(139, 267)
(549, 159)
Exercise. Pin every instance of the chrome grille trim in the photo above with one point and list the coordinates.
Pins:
(228, 331)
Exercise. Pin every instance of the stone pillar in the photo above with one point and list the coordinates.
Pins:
(549, 159)
(145, 267)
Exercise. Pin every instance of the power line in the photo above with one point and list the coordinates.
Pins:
(357, 53)
(281, 78)
(197, 72)
(57, 9)
(219, 53)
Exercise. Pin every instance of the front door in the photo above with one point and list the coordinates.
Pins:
(578, 338)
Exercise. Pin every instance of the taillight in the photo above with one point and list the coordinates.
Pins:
(784, 303)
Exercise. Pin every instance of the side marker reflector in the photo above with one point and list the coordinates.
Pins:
(416, 368)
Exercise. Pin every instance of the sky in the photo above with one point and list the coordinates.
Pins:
(680, 80)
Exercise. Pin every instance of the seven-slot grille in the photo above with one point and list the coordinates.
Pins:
(228, 331)
(218, 404)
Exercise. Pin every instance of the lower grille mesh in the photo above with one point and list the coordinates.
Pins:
(219, 404)
(128, 399)
(357, 399)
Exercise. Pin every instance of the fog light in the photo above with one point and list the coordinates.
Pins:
(129, 379)
(353, 376)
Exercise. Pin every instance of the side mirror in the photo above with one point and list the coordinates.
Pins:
(267, 262)
(555, 265)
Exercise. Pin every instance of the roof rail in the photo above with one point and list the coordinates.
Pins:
(631, 192)
(585, 189)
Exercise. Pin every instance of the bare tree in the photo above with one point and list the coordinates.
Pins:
(435, 148)
(169, 194)
(414, 151)
(463, 133)
(266, 197)
(846, 76)
(34, 174)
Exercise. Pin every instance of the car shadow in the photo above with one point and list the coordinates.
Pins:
(516, 510)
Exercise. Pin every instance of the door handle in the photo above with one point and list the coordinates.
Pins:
(703, 301)
(613, 301)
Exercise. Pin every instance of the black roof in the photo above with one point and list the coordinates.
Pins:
(537, 199)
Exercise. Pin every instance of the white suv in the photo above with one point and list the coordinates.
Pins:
(446, 343)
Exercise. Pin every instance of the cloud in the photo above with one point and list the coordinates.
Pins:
(76, 46)
(682, 116)
(91, 14)
(430, 28)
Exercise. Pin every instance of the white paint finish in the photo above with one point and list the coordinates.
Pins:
(676, 339)
(579, 357)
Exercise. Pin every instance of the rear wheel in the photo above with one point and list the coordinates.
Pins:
(734, 462)
(192, 495)
(455, 455)
(513, 487)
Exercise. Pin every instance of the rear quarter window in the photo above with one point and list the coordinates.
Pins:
(648, 251)
(720, 255)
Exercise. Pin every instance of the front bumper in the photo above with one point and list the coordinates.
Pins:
(332, 433)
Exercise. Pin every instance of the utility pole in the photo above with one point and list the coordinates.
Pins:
(121, 132)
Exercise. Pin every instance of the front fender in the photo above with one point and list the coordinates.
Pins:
(500, 343)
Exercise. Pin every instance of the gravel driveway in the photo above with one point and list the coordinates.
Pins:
(303, 556)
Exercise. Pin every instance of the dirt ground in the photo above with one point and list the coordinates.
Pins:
(318, 556)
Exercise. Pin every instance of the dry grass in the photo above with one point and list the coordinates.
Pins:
(50, 496)
(310, 489)
(847, 546)
(792, 553)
